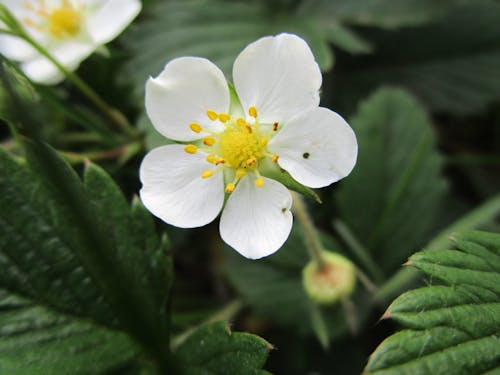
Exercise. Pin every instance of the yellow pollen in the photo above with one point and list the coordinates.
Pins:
(224, 117)
(65, 21)
(240, 172)
(263, 141)
(219, 161)
(212, 115)
(252, 111)
(251, 162)
(237, 146)
(195, 127)
(275, 158)
(259, 182)
(230, 187)
(241, 122)
(207, 174)
(190, 149)
(211, 159)
(209, 141)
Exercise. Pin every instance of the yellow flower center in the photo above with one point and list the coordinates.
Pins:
(60, 22)
(65, 21)
(240, 146)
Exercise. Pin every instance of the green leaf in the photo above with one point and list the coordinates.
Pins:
(214, 349)
(39, 340)
(391, 198)
(215, 29)
(451, 328)
(456, 74)
(83, 289)
(477, 218)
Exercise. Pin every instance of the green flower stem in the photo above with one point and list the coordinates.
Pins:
(313, 242)
(358, 250)
(350, 314)
(86, 137)
(365, 280)
(8, 32)
(112, 114)
(228, 312)
(117, 153)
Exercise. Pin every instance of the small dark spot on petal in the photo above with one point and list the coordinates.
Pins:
(306, 155)
(284, 209)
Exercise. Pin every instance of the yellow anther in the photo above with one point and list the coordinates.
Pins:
(252, 111)
(259, 182)
(249, 128)
(240, 172)
(219, 161)
(275, 158)
(211, 159)
(241, 122)
(190, 149)
(224, 117)
(230, 187)
(263, 141)
(212, 115)
(207, 174)
(250, 162)
(194, 126)
(209, 141)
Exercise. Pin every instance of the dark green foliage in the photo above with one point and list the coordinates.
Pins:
(450, 64)
(391, 198)
(451, 326)
(215, 350)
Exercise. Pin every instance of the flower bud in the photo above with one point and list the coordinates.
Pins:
(330, 282)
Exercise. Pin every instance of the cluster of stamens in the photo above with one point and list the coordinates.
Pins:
(239, 146)
(62, 22)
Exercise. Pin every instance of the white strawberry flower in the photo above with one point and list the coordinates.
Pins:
(70, 30)
(274, 122)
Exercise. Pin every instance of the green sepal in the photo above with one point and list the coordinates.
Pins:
(235, 107)
(273, 171)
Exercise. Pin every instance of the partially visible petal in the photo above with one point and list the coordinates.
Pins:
(257, 221)
(279, 76)
(111, 19)
(182, 93)
(317, 147)
(16, 48)
(69, 53)
(173, 190)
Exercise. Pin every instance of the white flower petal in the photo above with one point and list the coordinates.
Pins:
(317, 147)
(279, 76)
(182, 93)
(69, 53)
(174, 191)
(109, 20)
(16, 49)
(257, 221)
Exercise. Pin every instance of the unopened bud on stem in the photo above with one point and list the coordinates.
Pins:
(328, 283)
